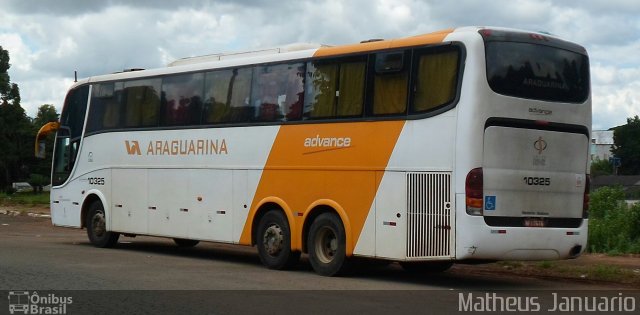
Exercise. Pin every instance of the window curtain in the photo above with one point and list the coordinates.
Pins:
(351, 97)
(390, 93)
(436, 84)
(323, 86)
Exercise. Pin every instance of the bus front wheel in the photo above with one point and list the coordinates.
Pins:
(274, 241)
(327, 245)
(97, 227)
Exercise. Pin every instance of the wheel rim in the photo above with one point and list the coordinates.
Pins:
(98, 224)
(273, 239)
(326, 245)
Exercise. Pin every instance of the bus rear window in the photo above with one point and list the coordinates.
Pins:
(537, 72)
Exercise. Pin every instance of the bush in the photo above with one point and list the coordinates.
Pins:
(601, 167)
(614, 227)
(37, 181)
(605, 200)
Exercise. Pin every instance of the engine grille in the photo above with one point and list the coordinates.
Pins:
(429, 219)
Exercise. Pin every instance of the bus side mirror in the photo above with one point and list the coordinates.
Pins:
(48, 128)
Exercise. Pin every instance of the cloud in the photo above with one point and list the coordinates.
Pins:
(20, 57)
(616, 95)
(68, 8)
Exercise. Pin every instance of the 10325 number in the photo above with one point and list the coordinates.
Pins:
(537, 181)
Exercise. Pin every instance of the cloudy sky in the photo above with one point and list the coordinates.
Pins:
(48, 40)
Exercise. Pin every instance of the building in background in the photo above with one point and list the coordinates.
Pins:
(601, 144)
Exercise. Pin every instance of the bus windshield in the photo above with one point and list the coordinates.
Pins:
(535, 71)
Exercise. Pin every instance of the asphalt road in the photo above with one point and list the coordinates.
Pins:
(150, 275)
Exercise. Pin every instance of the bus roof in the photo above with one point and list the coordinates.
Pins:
(244, 54)
(432, 38)
(288, 52)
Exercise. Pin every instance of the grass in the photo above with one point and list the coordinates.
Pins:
(546, 264)
(607, 272)
(510, 265)
(599, 272)
(26, 199)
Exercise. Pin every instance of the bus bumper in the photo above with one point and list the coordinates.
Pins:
(478, 241)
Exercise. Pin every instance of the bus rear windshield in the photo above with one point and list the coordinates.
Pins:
(537, 72)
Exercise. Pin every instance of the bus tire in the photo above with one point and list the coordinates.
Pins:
(183, 242)
(426, 267)
(97, 227)
(327, 245)
(274, 241)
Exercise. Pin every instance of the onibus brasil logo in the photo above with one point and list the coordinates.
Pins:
(25, 302)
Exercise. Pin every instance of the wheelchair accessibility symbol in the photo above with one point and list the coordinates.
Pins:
(490, 202)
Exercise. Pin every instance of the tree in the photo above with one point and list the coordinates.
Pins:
(5, 85)
(46, 113)
(16, 140)
(601, 167)
(626, 139)
(9, 93)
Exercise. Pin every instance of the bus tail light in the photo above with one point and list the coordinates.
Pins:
(538, 37)
(485, 32)
(585, 198)
(473, 191)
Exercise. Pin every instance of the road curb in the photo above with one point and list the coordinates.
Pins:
(30, 214)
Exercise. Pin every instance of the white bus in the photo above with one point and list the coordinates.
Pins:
(468, 144)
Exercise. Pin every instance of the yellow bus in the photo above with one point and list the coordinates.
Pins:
(460, 145)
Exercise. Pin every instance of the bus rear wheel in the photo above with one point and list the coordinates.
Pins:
(274, 241)
(97, 227)
(327, 245)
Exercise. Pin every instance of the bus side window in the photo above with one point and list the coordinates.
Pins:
(217, 107)
(334, 89)
(320, 90)
(277, 91)
(436, 80)
(111, 114)
(264, 92)
(351, 90)
(142, 103)
(104, 113)
(239, 95)
(390, 83)
(182, 99)
(294, 92)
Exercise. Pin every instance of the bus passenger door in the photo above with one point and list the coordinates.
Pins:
(211, 199)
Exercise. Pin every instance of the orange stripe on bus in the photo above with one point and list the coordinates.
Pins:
(431, 38)
(331, 165)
